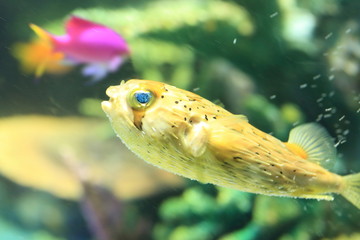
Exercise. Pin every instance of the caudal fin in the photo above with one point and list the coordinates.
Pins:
(352, 189)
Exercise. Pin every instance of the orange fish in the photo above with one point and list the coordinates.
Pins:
(186, 134)
(38, 57)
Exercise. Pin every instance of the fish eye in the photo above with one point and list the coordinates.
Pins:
(140, 99)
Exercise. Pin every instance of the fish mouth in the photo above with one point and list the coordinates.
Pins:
(112, 92)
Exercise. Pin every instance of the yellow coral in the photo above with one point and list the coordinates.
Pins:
(56, 154)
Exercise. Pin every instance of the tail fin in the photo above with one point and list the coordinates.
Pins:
(41, 33)
(352, 189)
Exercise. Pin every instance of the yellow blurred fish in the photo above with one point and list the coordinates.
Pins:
(186, 134)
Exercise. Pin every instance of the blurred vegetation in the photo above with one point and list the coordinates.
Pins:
(280, 62)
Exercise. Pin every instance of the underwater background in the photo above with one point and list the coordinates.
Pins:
(65, 175)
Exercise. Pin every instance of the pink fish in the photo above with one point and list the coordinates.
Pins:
(100, 48)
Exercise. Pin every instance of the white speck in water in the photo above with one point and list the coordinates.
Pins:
(346, 132)
(235, 40)
(357, 111)
(296, 123)
(332, 93)
(342, 118)
(327, 115)
(329, 35)
(316, 76)
(274, 14)
(331, 77)
(313, 86)
(272, 97)
(196, 89)
(348, 31)
(328, 109)
(319, 117)
(319, 99)
(303, 85)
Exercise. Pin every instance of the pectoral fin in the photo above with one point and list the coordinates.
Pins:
(195, 138)
(312, 142)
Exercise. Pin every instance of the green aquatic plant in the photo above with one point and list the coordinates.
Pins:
(196, 213)
(170, 16)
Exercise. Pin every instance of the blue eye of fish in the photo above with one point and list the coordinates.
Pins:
(143, 97)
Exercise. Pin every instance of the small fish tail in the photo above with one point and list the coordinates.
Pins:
(352, 189)
(41, 33)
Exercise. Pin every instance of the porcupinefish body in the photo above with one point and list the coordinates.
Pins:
(188, 135)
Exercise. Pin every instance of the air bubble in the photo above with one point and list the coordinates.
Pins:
(317, 77)
(303, 85)
(274, 14)
(329, 35)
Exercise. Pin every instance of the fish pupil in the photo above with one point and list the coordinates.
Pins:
(143, 97)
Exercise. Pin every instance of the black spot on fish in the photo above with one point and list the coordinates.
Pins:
(206, 117)
(272, 165)
(257, 153)
(184, 118)
(162, 96)
(176, 102)
(281, 172)
(294, 170)
(185, 106)
(237, 158)
(189, 109)
(214, 117)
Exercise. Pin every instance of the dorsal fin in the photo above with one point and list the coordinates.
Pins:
(312, 142)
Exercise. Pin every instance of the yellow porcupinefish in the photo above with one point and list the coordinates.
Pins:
(186, 134)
